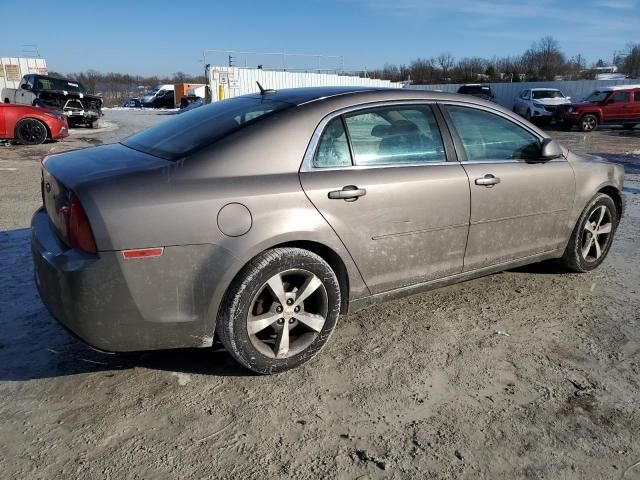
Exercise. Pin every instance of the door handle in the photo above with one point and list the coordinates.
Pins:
(349, 193)
(488, 180)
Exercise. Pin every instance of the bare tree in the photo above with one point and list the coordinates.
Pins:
(631, 65)
(446, 62)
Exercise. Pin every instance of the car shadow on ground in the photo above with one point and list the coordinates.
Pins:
(34, 346)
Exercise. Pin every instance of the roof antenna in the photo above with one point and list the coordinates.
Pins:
(265, 91)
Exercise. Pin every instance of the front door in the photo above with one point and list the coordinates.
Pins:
(519, 205)
(380, 178)
(617, 107)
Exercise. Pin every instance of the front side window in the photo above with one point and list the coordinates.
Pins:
(620, 97)
(404, 134)
(333, 148)
(488, 137)
(636, 96)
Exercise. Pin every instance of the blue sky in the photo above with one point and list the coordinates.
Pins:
(145, 37)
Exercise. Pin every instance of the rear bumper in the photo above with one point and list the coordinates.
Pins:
(122, 305)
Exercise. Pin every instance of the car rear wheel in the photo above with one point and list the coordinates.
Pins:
(592, 235)
(280, 310)
(588, 123)
(30, 131)
(528, 115)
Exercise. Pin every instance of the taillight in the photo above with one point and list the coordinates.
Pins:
(74, 226)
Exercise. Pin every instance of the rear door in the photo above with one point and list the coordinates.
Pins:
(3, 122)
(636, 106)
(519, 205)
(381, 179)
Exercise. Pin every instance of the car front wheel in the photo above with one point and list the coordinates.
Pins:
(280, 310)
(592, 235)
(31, 131)
(588, 123)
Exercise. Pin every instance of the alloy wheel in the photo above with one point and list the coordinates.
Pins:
(589, 123)
(596, 233)
(288, 313)
(31, 131)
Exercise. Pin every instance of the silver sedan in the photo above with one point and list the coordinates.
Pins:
(262, 218)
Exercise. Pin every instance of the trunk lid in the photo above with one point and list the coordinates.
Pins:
(78, 168)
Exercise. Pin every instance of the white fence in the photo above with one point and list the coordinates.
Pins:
(236, 81)
(13, 68)
(506, 92)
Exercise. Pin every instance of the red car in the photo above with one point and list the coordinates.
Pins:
(618, 105)
(31, 125)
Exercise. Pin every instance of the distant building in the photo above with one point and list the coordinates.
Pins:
(13, 68)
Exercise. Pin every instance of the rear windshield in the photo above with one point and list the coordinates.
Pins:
(49, 83)
(191, 131)
(475, 90)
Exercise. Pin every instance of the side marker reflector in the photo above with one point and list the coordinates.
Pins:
(142, 253)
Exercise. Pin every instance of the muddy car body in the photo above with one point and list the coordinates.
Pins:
(262, 218)
(67, 95)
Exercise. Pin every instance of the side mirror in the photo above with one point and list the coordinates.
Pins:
(550, 149)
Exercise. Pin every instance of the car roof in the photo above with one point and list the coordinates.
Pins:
(538, 89)
(303, 96)
(617, 87)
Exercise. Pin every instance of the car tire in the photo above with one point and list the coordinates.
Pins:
(94, 124)
(265, 299)
(583, 253)
(528, 115)
(588, 123)
(30, 131)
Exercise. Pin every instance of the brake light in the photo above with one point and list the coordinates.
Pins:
(74, 226)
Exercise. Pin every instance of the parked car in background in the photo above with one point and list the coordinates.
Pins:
(132, 103)
(539, 103)
(289, 208)
(70, 96)
(31, 125)
(477, 90)
(163, 96)
(618, 105)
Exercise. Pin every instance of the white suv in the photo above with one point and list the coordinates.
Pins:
(539, 103)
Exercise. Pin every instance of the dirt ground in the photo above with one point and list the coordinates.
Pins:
(532, 373)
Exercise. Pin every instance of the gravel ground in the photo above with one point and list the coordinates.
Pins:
(531, 373)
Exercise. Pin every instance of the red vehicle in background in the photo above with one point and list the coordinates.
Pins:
(619, 105)
(31, 125)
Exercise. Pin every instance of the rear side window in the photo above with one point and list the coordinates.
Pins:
(333, 148)
(191, 131)
(637, 96)
(487, 137)
(621, 97)
(395, 135)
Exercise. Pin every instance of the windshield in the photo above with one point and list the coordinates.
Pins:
(547, 94)
(183, 135)
(48, 83)
(475, 90)
(597, 96)
(150, 93)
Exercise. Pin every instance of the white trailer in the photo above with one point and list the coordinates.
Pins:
(13, 68)
(229, 82)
